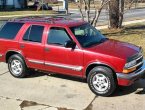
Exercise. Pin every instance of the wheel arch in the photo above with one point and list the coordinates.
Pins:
(92, 65)
(12, 52)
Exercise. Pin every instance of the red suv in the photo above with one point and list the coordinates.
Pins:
(69, 47)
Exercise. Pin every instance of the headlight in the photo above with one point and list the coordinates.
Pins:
(130, 64)
(129, 67)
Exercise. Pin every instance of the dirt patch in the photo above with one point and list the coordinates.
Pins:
(90, 107)
(64, 109)
(28, 103)
(70, 95)
(4, 73)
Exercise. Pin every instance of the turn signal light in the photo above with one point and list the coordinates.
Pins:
(128, 70)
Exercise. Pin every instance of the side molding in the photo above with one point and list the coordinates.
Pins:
(35, 61)
(75, 68)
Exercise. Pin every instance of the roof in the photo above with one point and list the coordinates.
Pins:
(50, 20)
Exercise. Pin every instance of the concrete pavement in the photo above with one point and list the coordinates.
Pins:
(57, 92)
(42, 89)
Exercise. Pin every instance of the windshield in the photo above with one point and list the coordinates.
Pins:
(87, 35)
(2, 23)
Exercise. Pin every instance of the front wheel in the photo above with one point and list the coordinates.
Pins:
(17, 66)
(101, 81)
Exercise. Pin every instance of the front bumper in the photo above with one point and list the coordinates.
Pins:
(128, 79)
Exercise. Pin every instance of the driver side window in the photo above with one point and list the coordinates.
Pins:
(58, 36)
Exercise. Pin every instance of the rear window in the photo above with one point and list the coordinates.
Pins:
(34, 34)
(10, 30)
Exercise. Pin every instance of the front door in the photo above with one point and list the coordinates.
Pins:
(60, 59)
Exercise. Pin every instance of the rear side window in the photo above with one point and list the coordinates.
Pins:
(57, 36)
(10, 30)
(34, 33)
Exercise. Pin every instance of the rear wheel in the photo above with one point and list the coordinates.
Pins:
(17, 66)
(101, 81)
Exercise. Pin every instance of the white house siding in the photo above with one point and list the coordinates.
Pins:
(10, 2)
(17, 4)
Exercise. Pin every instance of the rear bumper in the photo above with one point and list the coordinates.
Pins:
(128, 79)
(1, 57)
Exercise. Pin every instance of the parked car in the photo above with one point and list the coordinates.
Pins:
(69, 47)
(37, 6)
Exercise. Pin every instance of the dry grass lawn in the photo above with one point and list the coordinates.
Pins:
(23, 12)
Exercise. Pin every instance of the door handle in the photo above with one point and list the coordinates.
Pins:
(47, 49)
(22, 46)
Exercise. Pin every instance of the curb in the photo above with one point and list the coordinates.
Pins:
(124, 24)
(11, 16)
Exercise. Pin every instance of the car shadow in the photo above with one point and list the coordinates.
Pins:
(137, 88)
(56, 75)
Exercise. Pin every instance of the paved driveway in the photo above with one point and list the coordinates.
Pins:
(57, 92)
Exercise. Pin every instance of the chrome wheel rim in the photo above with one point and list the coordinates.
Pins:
(16, 67)
(100, 82)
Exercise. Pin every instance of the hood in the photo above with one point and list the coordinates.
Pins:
(115, 48)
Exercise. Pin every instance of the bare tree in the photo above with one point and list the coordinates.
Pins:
(86, 6)
(80, 8)
(98, 11)
(122, 9)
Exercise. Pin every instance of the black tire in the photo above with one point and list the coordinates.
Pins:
(95, 74)
(20, 64)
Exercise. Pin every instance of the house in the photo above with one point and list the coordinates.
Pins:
(8, 4)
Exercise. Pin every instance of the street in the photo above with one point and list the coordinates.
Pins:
(132, 14)
(41, 91)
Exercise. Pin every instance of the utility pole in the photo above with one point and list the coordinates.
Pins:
(65, 5)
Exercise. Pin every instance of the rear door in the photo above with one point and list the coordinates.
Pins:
(9, 34)
(32, 45)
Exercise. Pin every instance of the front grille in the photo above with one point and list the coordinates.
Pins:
(139, 60)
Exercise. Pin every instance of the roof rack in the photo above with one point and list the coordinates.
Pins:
(45, 19)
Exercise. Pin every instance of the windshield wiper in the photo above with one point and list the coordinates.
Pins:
(96, 43)
(103, 40)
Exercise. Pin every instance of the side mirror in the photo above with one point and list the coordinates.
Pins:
(70, 44)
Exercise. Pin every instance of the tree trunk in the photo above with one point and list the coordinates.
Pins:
(114, 13)
(25, 3)
(121, 7)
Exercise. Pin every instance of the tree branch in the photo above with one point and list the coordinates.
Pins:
(98, 12)
(80, 10)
